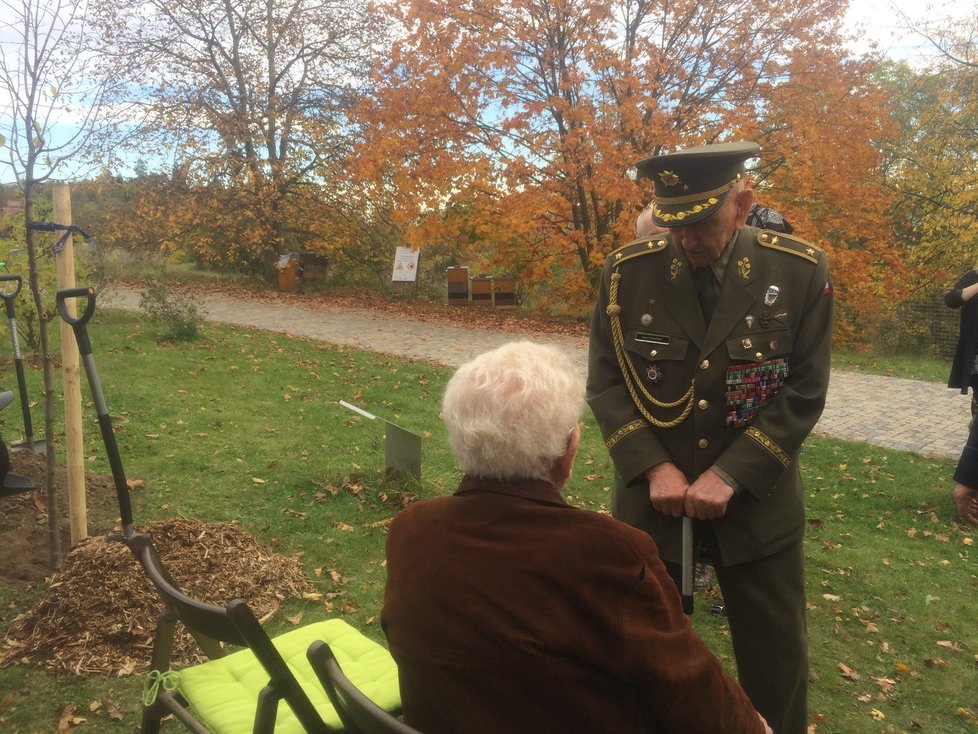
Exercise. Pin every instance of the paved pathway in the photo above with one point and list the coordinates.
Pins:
(906, 415)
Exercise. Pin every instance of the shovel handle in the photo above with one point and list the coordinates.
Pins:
(65, 293)
(10, 295)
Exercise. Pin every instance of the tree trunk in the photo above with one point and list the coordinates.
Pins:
(54, 533)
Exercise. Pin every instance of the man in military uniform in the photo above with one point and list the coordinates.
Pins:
(708, 367)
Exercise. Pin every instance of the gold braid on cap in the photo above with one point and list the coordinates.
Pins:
(704, 200)
(632, 379)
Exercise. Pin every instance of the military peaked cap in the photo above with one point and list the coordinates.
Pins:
(691, 184)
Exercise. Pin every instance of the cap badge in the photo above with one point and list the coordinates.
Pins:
(669, 178)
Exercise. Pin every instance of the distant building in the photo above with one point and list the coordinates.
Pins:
(10, 201)
(13, 207)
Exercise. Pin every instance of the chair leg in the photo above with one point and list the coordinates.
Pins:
(152, 720)
(266, 711)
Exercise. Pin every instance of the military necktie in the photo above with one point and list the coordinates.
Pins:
(707, 291)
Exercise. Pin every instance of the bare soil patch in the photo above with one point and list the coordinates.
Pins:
(24, 546)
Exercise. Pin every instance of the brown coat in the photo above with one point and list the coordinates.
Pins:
(508, 610)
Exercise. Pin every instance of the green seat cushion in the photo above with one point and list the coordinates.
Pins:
(223, 693)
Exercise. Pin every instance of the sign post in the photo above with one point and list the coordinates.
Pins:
(404, 277)
(402, 450)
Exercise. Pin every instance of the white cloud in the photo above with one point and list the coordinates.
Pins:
(889, 24)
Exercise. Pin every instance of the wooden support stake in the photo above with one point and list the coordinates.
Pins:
(77, 507)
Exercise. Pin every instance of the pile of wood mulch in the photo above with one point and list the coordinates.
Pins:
(98, 614)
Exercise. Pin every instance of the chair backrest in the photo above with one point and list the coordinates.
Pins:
(358, 713)
(234, 624)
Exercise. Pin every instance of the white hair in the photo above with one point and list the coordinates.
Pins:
(509, 412)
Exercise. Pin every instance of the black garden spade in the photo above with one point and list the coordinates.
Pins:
(10, 286)
(78, 326)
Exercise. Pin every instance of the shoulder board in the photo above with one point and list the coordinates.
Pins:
(790, 244)
(641, 246)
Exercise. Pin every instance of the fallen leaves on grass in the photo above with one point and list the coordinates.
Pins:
(847, 672)
(68, 720)
(110, 707)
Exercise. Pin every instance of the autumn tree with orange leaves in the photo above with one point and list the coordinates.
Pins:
(826, 146)
(527, 116)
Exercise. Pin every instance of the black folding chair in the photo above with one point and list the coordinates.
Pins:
(359, 714)
(240, 691)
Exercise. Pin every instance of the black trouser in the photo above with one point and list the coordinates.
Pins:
(966, 472)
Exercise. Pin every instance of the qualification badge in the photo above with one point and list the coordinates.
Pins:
(771, 295)
(646, 319)
(744, 267)
(654, 374)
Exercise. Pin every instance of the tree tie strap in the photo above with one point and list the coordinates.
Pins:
(169, 681)
(54, 227)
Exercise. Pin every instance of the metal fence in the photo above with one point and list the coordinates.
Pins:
(924, 325)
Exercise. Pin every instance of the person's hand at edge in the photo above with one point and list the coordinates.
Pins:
(966, 500)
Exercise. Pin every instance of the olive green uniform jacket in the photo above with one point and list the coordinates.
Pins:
(741, 395)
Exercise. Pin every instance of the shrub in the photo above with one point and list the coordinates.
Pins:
(177, 312)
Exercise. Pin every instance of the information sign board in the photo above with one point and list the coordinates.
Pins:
(405, 265)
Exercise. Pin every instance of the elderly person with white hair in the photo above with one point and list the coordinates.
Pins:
(508, 610)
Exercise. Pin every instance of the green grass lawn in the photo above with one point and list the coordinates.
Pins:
(245, 425)
(924, 367)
